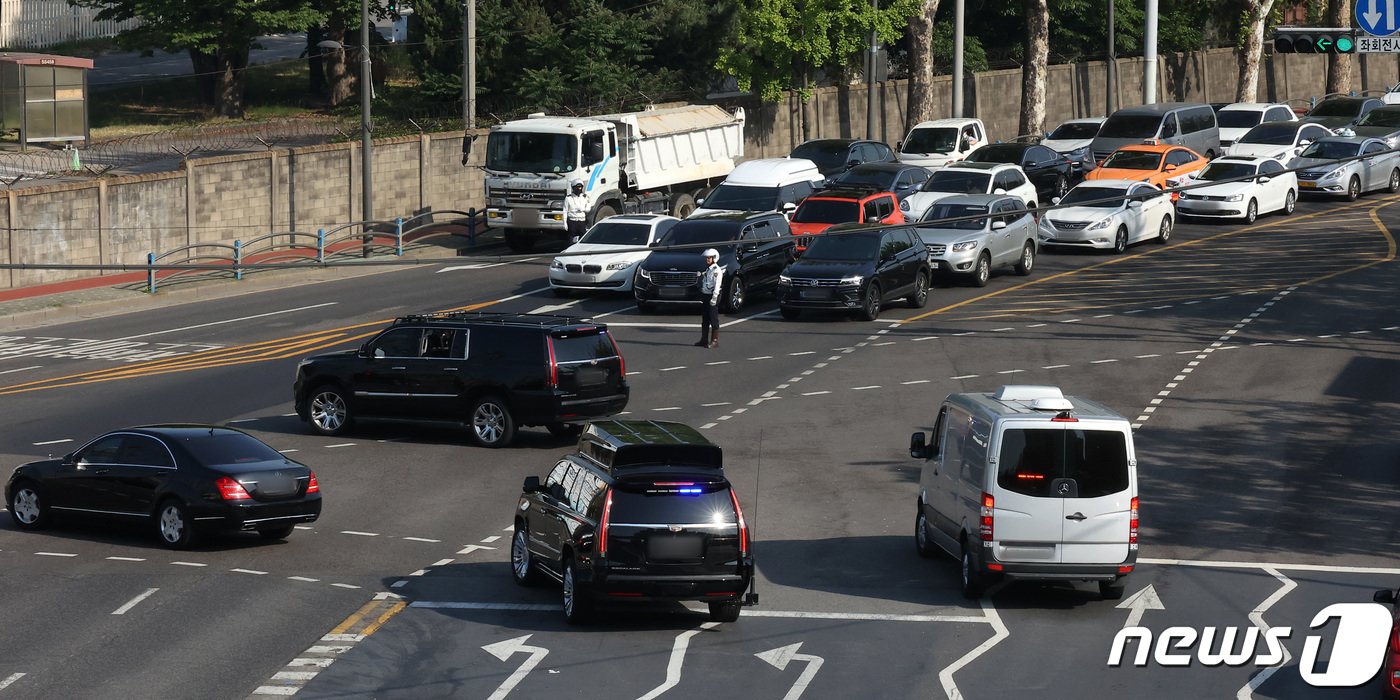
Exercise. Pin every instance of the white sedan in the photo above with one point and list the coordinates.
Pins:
(1108, 215)
(969, 178)
(1248, 186)
(605, 258)
(1278, 140)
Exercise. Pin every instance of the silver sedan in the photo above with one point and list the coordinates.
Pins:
(1320, 171)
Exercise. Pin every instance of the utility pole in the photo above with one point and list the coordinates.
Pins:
(870, 131)
(958, 59)
(1149, 55)
(469, 64)
(1111, 64)
(366, 142)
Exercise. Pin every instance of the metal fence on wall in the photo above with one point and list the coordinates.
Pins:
(32, 24)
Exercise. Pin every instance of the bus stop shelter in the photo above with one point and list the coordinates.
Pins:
(43, 97)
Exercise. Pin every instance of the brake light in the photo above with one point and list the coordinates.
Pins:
(231, 490)
(1133, 521)
(621, 363)
(743, 526)
(553, 365)
(603, 526)
(313, 486)
(988, 505)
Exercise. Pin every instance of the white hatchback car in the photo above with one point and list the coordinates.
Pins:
(1278, 140)
(1238, 118)
(1265, 187)
(969, 178)
(605, 258)
(1098, 214)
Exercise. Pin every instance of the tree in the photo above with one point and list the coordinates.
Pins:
(1255, 16)
(1339, 65)
(1035, 69)
(921, 64)
(217, 35)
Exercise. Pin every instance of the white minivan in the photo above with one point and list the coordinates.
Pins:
(765, 184)
(1027, 483)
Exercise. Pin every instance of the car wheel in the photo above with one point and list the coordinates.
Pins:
(27, 507)
(1120, 240)
(1164, 230)
(726, 611)
(1290, 202)
(1251, 212)
(922, 544)
(577, 606)
(174, 525)
(329, 411)
(1027, 261)
(983, 272)
(522, 565)
(277, 533)
(919, 298)
(1061, 186)
(1110, 590)
(789, 313)
(564, 429)
(682, 206)
(491, 423)
(971, 577)
(1354, 188)
(1394, 185)
(870, 305)
(734, 300)
(603, 212)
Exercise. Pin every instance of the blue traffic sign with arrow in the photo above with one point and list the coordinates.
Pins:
(1377, 17)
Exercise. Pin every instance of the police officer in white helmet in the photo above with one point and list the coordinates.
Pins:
(711, 280)
(576, 211)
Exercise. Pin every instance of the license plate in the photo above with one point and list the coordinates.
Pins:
(668, 547)
(276, 487)
(525, 218)
(1307, 185)
(590, 376)
(816, 294)
(671, 292)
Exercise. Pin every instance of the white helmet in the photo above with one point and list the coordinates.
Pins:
(576, 183)
(711, 253)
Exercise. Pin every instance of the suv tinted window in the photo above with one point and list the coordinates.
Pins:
(399, 342)
(582, 348)
(513, 345)
(686, 504)
(794, 193)
(1032, 459)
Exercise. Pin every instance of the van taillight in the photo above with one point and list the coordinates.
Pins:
(1133, 521)
(603, 526)
(231, 490)
(553, 365)
(621, 363)
(743, 526)
(988, 504)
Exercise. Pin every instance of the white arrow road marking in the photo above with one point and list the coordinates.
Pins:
(551, 308)
(1257, 617)
(9, 680)
(134, 601)
(780, 657)
(504, 650)
(472, 548)
(1140, 602)
(1000, 632)
(673, 668)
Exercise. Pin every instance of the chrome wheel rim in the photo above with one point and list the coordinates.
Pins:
(1251, 213)
(1027, 259)
(26, 506)
(1289, 203)
(328, 411)
(1165, 231)
(1394, 181)
(520, 555)
(1354, 190)
(172, 524)
(966, 569)
(984, 270)
(1061, 187)
(1120, 241)
(569, 590)
(920, 532)
(872, 301)
(920, 289)
(489, 422)
(736, 294)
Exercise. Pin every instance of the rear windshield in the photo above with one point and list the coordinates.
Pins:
(1238, 118)
(221, 449)
(582, 348)
(677, 502)
(961, 182)
(1336, 108)
(1131, 126)
(826, 211)
(613, 233)
(1031, 460)
(742, 198)
(1076, 130)
(828, 155)
(1272, 134)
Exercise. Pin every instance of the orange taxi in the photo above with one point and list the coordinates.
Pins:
(822, 210)
(1154, 163)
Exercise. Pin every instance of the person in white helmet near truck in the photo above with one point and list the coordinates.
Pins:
(576, 211)
(711, 280)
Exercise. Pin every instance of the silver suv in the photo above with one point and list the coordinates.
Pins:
(971, 248)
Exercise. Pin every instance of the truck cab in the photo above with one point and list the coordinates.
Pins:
(934, 144)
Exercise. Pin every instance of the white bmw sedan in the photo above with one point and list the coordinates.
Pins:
(1247, 187)
(605, 258)
(1108, 215)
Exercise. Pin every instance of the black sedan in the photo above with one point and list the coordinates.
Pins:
(175, 477)
(834, 156)
(900, 178)
(1050, 172)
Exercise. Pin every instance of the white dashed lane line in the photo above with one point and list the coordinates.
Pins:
(22, 369)
(10, 680)
(52, 442)
(125, 608)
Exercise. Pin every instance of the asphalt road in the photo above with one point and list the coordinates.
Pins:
(1257, 362)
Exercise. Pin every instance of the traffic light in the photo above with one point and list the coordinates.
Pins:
(1314, 40)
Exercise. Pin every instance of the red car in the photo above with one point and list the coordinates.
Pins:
(823, 210)
(1390, 671)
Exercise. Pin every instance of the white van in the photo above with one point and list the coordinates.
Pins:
(1026, 483)
(764, 184)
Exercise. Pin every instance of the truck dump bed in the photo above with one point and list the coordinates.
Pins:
(679, 144)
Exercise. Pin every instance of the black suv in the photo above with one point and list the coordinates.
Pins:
(753, 248)
(857, 269)
(641, 512)
(492, 371)
(835, 156)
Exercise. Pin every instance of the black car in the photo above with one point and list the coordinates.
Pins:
(494, 372)
(1050, 172)
(854, 269)
(641, 512)
(753, 248)
(179, 478)
(1339, 111)
(899, 178)
(834, 156)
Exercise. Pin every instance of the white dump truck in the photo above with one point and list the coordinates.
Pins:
(652, 161)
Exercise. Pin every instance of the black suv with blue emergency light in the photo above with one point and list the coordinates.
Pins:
(640, 512)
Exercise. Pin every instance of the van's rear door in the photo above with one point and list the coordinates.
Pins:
(1026, 520)
(588, 361)
(1098, 462)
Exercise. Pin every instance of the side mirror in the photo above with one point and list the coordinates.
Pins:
(751, 248)
(853, 163)
(1169, 168)
(788, 208)
(998, 224)
(1135, 204)
(532, 484)
(1304, 142)
(1385, 597)
(918, 446)
(467, 147)
(699, 201)
(899, 145)
(999, 190)
(68, 458)
(363, 351)
(1054, 200)
(1264, 178)
(575, 239)
(872, 219)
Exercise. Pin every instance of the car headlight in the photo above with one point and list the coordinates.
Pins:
(557, 264)
(784, 279)
(904, 205)
(643, 273)
(497, 201)
(1235, 198)
(554, 204)
(1078, 153)
(618, 265)
(964, 246)
(853, 279)
(1102, 223)
(1332, 175)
